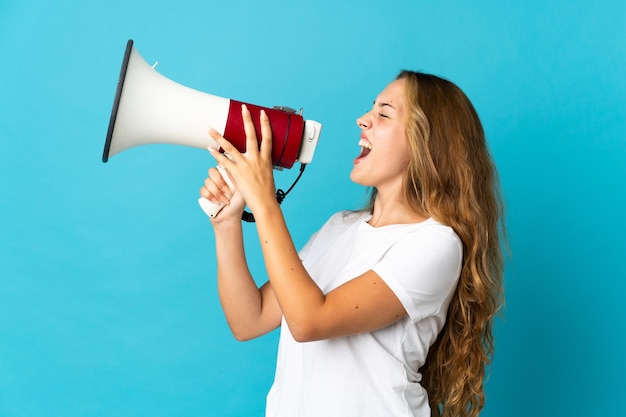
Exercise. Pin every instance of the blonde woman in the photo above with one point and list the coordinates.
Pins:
(386, 311)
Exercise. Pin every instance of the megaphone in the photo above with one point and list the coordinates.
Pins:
(149, 108)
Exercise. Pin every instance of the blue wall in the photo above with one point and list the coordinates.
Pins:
(108, 302)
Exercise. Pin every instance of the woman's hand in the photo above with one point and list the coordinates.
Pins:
(251, 171)
(217, 190)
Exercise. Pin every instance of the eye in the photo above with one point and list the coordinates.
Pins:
(383, 115)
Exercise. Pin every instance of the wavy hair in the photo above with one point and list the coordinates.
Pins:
(452, 178)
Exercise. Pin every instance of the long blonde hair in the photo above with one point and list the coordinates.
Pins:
(451, 178)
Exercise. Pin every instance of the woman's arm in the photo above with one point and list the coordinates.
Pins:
(364, 304)
(250, 311)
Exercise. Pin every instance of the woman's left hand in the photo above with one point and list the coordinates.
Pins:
(251, 171)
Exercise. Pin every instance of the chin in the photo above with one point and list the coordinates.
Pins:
(354, 177)
(357, 179)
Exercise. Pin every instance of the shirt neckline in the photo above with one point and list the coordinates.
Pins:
(366, 226)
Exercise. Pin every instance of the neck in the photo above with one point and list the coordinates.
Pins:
(393, 210)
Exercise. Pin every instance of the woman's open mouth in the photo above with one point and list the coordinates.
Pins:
(366, 147)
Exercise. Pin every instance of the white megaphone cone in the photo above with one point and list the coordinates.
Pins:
(152, 109)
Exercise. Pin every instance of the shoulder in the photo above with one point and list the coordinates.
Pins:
(422, 267)
(427, 233)
(431, 231)
(424, 251)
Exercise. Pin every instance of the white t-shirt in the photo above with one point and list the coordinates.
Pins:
(370, 374)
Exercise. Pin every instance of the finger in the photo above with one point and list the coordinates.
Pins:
(225, 159)
(212, 192)
(230, 151)
(205, 193)
(248, 125)
(266, 135)
(216, 176)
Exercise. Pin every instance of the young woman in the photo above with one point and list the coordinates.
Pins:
(386, 311)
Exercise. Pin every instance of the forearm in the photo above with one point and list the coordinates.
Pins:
(299, 296)
(239, 295)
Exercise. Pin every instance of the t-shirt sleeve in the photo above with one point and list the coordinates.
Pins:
(307, 246)
(422, 270)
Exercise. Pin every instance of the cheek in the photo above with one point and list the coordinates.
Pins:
(402, 159)
(400, 150)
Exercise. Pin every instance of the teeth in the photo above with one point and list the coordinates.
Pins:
(365, 144)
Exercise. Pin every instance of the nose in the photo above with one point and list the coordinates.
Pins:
(363, 121)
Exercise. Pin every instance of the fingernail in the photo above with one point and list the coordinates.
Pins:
(263, 114)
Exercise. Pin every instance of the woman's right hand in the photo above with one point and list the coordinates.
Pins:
(217, 190)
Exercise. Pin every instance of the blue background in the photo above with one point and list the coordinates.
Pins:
(108, 302)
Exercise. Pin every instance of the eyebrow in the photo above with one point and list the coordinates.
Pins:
(384, 104)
